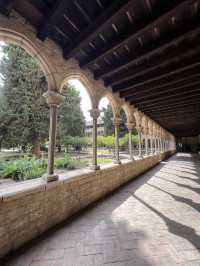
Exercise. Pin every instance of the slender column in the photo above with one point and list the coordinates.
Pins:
(130, 127)
(158, 140)
(116, 123)
(160, 147)
(52, 140)
(155, 150)
(94, 113)
(53, 99)
(151, 143)
(146, 145)
(161, 144)
(139, 130)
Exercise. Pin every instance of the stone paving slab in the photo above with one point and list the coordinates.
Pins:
(154, 220)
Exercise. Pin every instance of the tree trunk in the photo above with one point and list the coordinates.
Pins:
(36, 148)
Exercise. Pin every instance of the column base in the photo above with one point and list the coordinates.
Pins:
(50, 178)
(117, 162)
(131, 159)
(95, 167)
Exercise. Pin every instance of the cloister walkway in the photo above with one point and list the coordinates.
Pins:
(154, 220)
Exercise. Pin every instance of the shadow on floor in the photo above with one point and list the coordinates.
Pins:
(174, 227)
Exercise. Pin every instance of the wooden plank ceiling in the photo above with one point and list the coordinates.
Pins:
(147, 50)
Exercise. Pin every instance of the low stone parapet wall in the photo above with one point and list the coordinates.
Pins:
(27, 214)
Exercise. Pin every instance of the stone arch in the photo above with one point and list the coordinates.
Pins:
(129, 113)
(77, 74)
(113, 102)
(11, 36)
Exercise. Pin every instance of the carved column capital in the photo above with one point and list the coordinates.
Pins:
(116, 121)
(53, 98)
(130, 126)
(94, 113)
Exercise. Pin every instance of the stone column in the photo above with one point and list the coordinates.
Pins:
(151, 143)
(116, 123)
(158, 145)
(146, 145)
(130, 127)
(94, 113)
(53, 99)
(139, 130)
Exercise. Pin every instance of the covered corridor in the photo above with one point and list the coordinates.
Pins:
(153, 220)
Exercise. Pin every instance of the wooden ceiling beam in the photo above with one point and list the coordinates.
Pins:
(195, 89)
(182, 99)
(177, 116)
(52, 18)
(163, 92)
(192, 63)
(169, 58)
(109, 15)
(173, 82)
(6, 6)
(192, 106)
(168, 106)
(155, 50)
(123, 40)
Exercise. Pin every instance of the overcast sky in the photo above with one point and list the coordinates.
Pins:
(85, 100)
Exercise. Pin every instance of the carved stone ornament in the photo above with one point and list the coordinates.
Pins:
(53, 98)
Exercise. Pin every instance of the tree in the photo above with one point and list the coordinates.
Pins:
(107, 118)
(71, 121)
(24, 114)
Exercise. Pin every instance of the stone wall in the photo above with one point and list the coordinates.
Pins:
(27, 214)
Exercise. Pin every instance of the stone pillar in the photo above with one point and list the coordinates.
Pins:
(154, 145)
(158, 145)
(151, 143)
(94, 113)
(146, 145)
(139, 130)
(130, 127)
(116, 123)
(53, 99)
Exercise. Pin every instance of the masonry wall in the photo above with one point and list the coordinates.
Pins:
(26, 215)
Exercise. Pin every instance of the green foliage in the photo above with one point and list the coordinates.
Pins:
(24, 114)
(123, 141)
(77, 143)
(122, 128)
(23, 168)
(63, 163)
(22, 121)
(28, 168)
(104, 160)
(71, 121)
(106, 141)
(107, 118)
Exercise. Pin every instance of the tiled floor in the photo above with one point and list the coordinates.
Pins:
(154, 220)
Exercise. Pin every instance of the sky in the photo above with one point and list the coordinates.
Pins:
(85, 100)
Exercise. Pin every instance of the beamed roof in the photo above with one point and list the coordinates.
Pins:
(147, 50)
